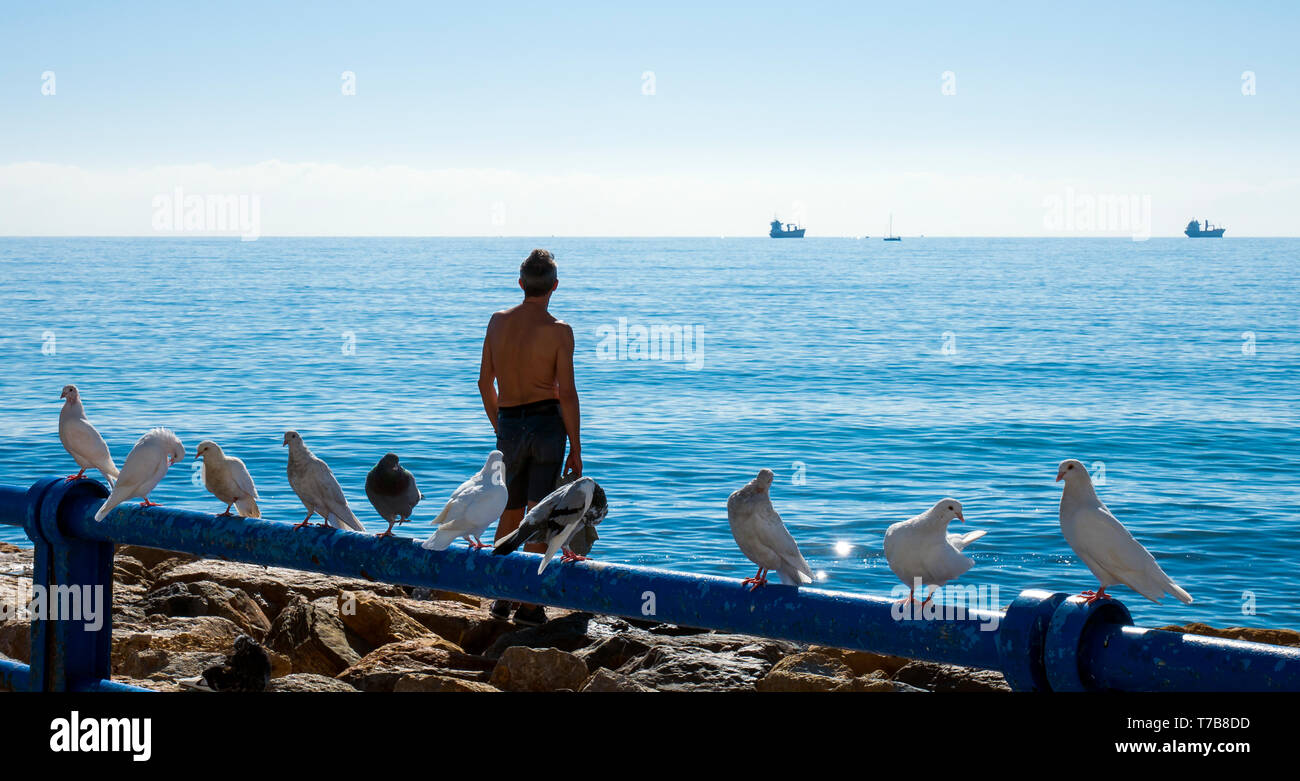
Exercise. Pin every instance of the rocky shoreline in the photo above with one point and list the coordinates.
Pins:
(175, 616)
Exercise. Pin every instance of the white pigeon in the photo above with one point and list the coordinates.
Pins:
(557, 519)
(316, 486)
(143, 469)
(474, 506)
(81, 440)
(921, 548)
(1104, 544)
(762, 535)
(227, 478)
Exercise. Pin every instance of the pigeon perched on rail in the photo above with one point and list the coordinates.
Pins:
(762, 535)
(81, 440)
(557, 519)
(227, 478)
(314, 483)
(1104, 544)
(921, 548)
(474, 506)
(392, 492)
(143, 469)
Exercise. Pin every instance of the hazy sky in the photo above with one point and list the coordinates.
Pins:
(653, 119)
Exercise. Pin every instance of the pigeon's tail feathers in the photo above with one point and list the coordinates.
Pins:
(107, 506)
(441, 539)
(1179, 593)
(345, 519)
(110, 472)
(557, 542)
(960, 541)
(794, 576)
(247, 507)
(509, 543)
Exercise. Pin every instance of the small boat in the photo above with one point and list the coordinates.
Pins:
(891, 236)
(789, 231)
(1194, 231)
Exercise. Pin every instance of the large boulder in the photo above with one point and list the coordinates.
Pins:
(604, 680)
(150, 558)
(141, 650)
(806, 672)
(204, 598)
(524, 669)
(376, 619)
(312, 638)
(951, 678)
(469, 626)
(15, 640)
(863, 662)
(381, 669)
(308, 682)
(567, 633)
(420, 682)
(276, 585)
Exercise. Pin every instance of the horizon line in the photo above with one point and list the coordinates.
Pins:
(236, 237)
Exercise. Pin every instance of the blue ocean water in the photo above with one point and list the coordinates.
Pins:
(874, 378)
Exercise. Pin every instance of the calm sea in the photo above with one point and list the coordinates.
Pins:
(874, 378)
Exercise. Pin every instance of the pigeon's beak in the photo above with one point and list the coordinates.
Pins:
(961, 518)
(1060, 475)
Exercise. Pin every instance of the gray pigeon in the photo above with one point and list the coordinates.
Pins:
(557, 519)
(761, 534)
(316, 486)
(391, 490)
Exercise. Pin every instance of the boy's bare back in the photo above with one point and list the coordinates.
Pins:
(526, 345)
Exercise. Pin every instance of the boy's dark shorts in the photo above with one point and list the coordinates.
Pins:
(532, 438)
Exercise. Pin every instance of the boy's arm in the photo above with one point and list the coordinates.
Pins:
(487, 378)
(568, 395)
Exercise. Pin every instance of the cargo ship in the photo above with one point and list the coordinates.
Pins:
(788, 231)
(1211, 232)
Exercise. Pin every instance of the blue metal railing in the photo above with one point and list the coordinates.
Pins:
(1042, 642)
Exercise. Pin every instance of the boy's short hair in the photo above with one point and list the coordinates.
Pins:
(538, 273)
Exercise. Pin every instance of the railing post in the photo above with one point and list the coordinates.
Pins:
(72, 590)
(1065, 658)
(1022, 636)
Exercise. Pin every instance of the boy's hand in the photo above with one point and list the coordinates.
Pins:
(573, 465)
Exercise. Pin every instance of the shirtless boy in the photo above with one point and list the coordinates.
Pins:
(533, 405)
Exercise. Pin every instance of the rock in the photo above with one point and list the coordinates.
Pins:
(129, 571)
(434, 595)
(15, 640)
(440, 683)
(204, 598)
(1288, 637)
(150, 558)
(187, 664)
(613, 652)
(877, 681)
(276, 585)
(6, 547)
(376, 620)
(312, 638)
(308, 682)
(141, 650)
(863, 662)
(472, 628)
(381, 669)
(524, 669)
(950, 678)
(806, 672)
(687, 667)
(567, 633)
(609, 681)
